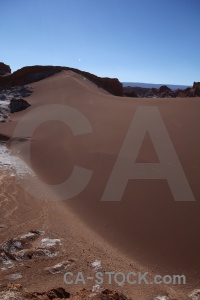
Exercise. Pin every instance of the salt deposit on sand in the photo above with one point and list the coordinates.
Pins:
(4, 110)
(97, 265)
(13, 163)
(15, 276)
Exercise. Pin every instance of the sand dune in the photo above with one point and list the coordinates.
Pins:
(147, 224)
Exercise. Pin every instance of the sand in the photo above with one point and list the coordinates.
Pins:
(147, 229)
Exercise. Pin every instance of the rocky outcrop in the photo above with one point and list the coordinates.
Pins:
(4, 138)
(129, 92)
(112, 85)
(140, 92)
(18, 105)
(4, 69)
(58, 293)
(104, 295)
(16, 92)
(6, 95)
(196, 85)
(163, 92)
(15, 291)
(28, 75)
(196, 89)
(21, 248)
(164, 89)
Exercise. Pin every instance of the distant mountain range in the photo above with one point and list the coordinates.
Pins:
(154, 85)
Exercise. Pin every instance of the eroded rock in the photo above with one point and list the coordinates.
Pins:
(163, 92)
(18, 105)
(15, 291)
(22, 248)
(7, 95)
(103, 295)
(4, 69)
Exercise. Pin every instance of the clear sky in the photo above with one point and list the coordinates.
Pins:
(154, 41)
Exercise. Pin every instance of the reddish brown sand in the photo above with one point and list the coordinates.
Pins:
(154, 232)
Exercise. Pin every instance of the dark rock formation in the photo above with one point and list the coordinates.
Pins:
(112, 85)
(18, 105)
(6, 95)
(23, 91)
(150, 94)
(15, 291)
(16, 92)
(113, 295)
(58, 293)
(4, 138)
(196, 87)
(4, 69)
(140, 92)
(104, 295)
(129, 92)
(28, 75)
(163, 92)
(164, 89)
(192, 92)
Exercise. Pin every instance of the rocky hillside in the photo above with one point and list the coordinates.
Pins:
(162, 92)
(31, 74)
(4, 69)
(11, 100)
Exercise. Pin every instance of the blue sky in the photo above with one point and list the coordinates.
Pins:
(155, 41)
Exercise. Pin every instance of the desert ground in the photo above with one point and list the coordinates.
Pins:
(147, 231)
